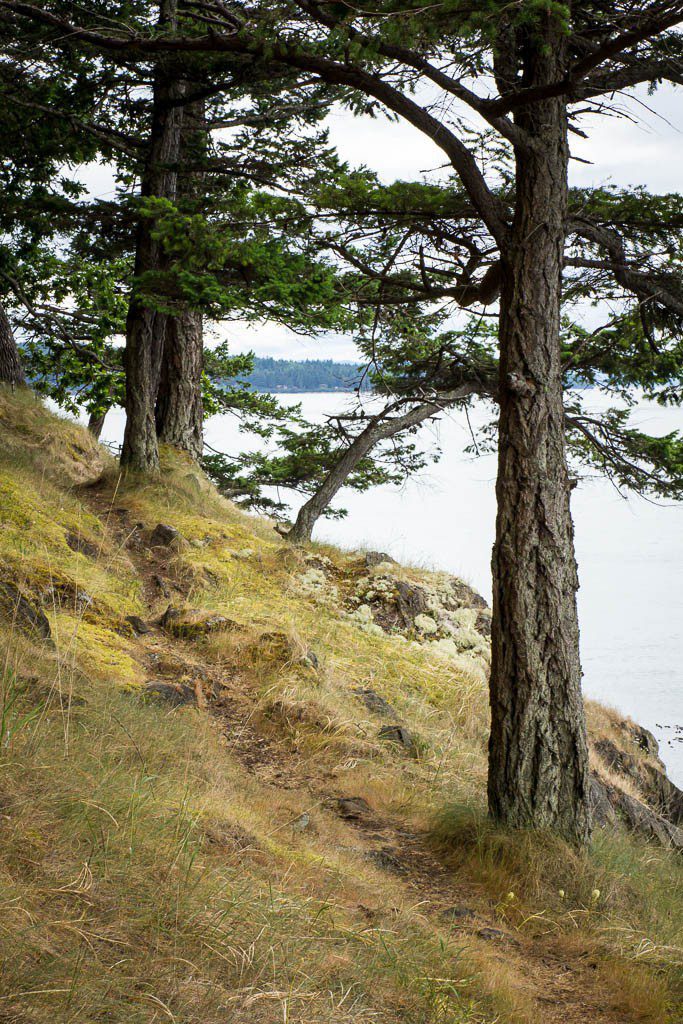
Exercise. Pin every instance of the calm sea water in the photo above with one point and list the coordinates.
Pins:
(630, 555)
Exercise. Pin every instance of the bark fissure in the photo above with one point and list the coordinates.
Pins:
(179, 408)
(538, 770)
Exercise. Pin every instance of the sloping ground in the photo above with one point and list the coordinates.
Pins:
(241, 783)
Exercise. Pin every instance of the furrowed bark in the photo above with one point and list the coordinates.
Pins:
(377, 430)
(11, 371)
(538, 763)
(179, 409)
(146, 328)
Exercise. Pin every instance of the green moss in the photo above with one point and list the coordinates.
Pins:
(35, 518)
(96, 650)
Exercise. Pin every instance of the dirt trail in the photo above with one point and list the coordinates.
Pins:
(565, 990)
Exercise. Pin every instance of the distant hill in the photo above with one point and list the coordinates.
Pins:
(290, 375)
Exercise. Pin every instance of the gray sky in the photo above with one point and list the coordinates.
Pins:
(646, 148)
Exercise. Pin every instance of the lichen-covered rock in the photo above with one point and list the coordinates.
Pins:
(432, 608)
(363, 613)
(425, 624)
(319, 561)
(412, 600)
(313, 579)
(446, 647)
(190, 622)
(315, 582)
(244, 554)
(469, 640)
(373, 558)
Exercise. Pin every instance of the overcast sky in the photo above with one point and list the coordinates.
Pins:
(646, 148)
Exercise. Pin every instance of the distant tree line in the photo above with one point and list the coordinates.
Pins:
(291, 375)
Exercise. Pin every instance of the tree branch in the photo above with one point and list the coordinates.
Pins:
(649, 287)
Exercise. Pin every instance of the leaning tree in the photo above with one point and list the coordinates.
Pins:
(528, 75)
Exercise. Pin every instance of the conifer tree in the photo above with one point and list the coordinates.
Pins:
(157, 119)
(529, 73)
(37, 190)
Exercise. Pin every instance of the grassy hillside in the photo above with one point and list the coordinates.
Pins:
(211, 815)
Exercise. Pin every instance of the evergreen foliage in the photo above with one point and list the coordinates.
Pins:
(230, 203)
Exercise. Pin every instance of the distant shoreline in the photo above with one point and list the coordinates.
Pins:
(304, 376)
(284, 389)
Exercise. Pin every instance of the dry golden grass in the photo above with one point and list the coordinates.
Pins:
(150, 860)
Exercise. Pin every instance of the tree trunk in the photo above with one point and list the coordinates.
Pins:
(179, 410)
(11, 371)
(146, 327)
(378, 429)
(96, 423)
(538, 764)
(311, 510)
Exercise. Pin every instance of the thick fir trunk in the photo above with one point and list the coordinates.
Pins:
(11, 371)
(146, 328)
(179, 409)
(538, 764)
